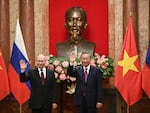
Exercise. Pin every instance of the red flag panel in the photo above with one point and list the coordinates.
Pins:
(4, 86)
(128, 72)
(146, 74)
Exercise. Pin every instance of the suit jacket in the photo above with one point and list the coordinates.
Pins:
(92, 88)
(40, 95)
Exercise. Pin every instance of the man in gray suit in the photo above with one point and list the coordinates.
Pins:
(43, 86)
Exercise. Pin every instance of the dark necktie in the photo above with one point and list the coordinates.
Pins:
(85, 74)
(42, 78)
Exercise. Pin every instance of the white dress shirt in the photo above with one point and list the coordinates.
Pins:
(44, 71)
(87, 69)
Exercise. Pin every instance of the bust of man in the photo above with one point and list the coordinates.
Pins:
(75, 23)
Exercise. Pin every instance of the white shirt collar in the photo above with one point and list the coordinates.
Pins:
(88, 68)
(44, 71)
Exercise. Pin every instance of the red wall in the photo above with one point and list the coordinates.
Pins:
(97, 18)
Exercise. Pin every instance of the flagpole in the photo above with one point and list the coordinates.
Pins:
(128, 109)
(20, 108)
(130, 13)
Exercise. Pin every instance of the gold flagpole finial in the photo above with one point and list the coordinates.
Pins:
(130, 13)
(17, 16)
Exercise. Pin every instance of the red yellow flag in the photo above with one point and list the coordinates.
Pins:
(128, 75)
(4, 86)
(146, 74)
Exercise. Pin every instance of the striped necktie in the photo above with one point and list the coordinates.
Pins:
(85, 74)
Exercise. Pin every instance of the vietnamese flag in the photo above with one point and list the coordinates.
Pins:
(4, 86)
(146, 74)
(128, 77)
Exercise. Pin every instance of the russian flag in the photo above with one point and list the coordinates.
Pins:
(21, 91)
(146, 74)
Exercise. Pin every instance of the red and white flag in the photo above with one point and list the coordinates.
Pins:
(21, 91)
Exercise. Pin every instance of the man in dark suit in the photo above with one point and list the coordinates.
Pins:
(43, 86)
(88, 92)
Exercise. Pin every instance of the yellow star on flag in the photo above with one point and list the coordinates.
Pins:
(128, 63)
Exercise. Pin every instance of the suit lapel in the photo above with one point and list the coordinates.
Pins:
(37, 73)
(90, 73)
(81, 73)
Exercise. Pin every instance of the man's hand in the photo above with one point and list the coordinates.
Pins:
(54, 105)
(23, 65)
(99, 105)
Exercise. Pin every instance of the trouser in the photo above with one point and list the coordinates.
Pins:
(41, 110)
(83, 108)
